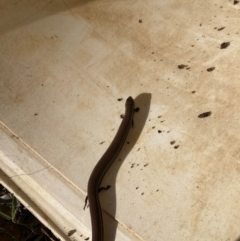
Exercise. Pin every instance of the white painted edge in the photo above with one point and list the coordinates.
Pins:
(34, 181)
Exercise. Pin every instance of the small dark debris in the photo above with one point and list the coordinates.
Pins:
(122, 116)
(14, 136)
(219, 29)
(193, 91)
(101, 142)
(205, 114)
(137, 187)
(159, 116)
(210, 69)
(235, 2)
(137, 109)
(142, 193)
(71, 232)
(200, 24)
(159, 131)
(172, 142)
(119, 99)
(188, 68)
(36, 114)
(176, 147)
(140, 20)
(128, 142)
(152, 52)
(145, 165)
(182, 66)
(153, 127)
(224, 45)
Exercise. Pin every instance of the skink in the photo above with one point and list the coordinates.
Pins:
(102, 166)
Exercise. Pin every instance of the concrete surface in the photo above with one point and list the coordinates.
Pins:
(63, 66)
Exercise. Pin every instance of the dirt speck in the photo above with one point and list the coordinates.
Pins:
(224, 45)
(136, 109)
(205, 114)
(182, 66)
(71, 232)
(210, 69)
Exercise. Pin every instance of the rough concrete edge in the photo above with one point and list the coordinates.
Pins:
(46, 207)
